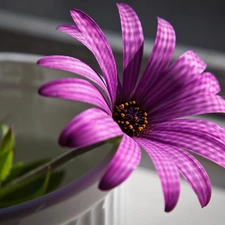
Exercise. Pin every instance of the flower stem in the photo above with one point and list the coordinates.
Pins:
(55, 163)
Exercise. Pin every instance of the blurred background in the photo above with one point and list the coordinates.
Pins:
(29, 26)
(197, 23)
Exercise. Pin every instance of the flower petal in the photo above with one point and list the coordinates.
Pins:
(89, 127)
(74, 32)
(203, 84)
(160, 57)
(192, 171)
(206, 83)
(75, 89)
(200, 144)
(75, 66)
(193, 105)
(133, 41)
(167, 171)
(126, 159)
(193, 126)
(99, 47)
(187, 68)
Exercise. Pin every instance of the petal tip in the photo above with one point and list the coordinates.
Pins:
(40, 91)
(168, 209)
(103, 186)
(65, 140)
(170, 206)
(206, 202)
(59, 27)
(120, 4)
(39, 62)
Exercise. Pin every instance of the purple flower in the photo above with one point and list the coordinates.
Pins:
(148, 113)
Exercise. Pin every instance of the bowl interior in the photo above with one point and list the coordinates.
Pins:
(38, 120)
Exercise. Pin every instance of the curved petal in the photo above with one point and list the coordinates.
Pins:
(75, 89)
(185, 69)
(99, 47)
(160, 57)
(192, 171)
(133, 41)
(194, 105)
(202, 145)
(193, 126)
(75, 66)
(167, 171)
(208, 83)
(89, 127)
(74, 32)
(203, 84)
(126, 159)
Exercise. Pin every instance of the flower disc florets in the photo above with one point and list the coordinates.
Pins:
(131, 118)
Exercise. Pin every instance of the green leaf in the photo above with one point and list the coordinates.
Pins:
(16, 171)
(6, 153)
(6, 160)
(55, 180)
(41, 191)
(7, 142)
(30, 189)
(4, 129)
(20, 169)
(34, 188)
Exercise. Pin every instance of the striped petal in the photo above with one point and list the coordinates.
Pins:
(193, 126)
(100, 48)
(203, 84)
(126, 159)
(75, 66)
(192, 171)
(74, 32)
(133, 41)
(187, 68)
(89, 127)
(194, 105)
(201, 144)
(167, 171)
(160, 57)
(75, 89)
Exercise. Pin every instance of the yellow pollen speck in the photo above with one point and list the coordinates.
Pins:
(145, 114)
(130, 127)
(127, 122)
(144, 125)
(134, 102)
(126, 104)
(122, 106)
(122, 115)
(140, 129)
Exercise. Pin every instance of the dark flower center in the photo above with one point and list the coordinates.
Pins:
(131, 118)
